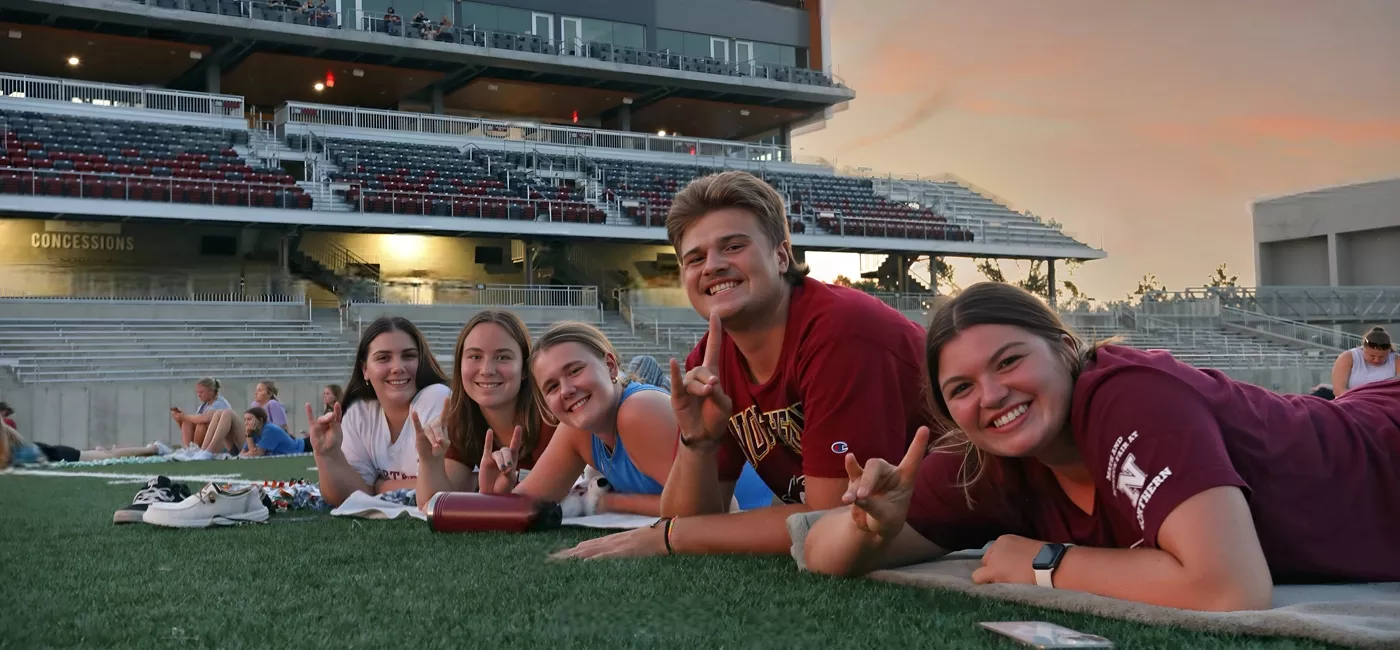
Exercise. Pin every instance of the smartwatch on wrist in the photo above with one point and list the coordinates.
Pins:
(1046, 561)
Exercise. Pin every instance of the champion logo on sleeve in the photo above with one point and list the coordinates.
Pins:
(839, 447)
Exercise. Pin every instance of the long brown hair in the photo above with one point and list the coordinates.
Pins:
(429, 372)
(992, 303)
(465, 423)
(583, 334)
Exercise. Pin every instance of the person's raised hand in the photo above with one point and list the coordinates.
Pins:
(879, 493)
(429, 438)
(702, 409)
(506, 460)
(325, 430)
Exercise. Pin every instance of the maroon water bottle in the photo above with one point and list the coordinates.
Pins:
(472, 512)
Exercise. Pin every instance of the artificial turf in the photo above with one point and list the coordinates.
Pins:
(71, 578)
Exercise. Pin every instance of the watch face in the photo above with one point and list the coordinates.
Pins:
(1048, 557)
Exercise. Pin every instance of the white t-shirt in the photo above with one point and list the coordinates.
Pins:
(365, 433)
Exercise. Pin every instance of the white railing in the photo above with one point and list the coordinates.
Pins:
(46, 283)
(1332, 338)
(466, 293)
(364, 118)
(17, 86)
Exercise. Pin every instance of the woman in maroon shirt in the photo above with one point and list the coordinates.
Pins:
(1123, 473)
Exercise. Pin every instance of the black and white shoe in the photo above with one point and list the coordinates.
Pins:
(158, 490)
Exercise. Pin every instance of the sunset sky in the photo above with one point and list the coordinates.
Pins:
(1147, 128)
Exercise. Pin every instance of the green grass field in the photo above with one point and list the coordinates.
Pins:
(72, 579)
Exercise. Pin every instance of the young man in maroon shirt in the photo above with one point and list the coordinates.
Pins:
(793, 375)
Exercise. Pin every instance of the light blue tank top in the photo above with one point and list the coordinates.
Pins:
(1363, 373)
(617, 466)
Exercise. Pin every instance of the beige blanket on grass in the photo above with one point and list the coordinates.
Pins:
(1361, 615)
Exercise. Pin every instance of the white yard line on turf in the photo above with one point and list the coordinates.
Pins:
(235, 479)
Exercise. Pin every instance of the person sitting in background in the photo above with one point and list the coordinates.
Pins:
(491, 391)
(330, 396)
(361, 446)
(268, 439)
(1121, 472)
(623, 429)
(265, 397)
(15, 451)
(393, 23)
(1372, 361)
(6, 413)
(214, 414)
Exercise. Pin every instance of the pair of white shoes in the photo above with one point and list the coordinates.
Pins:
(211, 506)
(192, 453)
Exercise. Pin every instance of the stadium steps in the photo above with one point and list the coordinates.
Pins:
(323, 198)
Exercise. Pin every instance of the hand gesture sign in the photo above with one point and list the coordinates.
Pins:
(879, 494)
(325, 430)
(429, 440)
(498, 468)
(702, 409)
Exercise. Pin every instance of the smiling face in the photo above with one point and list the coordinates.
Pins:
(577, 386)
(390, 367)
(1006, 388)
(728, 264)
(492, 366)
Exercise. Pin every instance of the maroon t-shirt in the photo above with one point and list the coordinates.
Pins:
(1322, 478)
(528, 462)
(848, 380)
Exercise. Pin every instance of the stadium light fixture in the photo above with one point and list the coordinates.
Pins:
(73, 61)
(661, 133)
(319, 86)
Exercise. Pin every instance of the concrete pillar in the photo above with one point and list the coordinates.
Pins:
(785, 135)
(213, 72)
(901, 273)
(529, 264)
(1050, 277)
(437, 99)
(624, 117)
(933, 275)
(1334, 275)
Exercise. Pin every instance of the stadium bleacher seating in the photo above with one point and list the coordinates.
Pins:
(443, 181)
(64, 155)
(70, 350)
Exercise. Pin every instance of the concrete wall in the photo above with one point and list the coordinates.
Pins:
(132, 414)
(408, 256)
(1296, 262)
(364, 313)
(151, 309)
(1358, 227)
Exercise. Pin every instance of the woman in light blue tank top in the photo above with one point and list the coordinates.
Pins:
(622, 428)
(1374, 360)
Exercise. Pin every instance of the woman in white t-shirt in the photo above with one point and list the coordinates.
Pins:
(365, 443)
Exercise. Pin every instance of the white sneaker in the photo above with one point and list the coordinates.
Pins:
(211, 506)
(162, 449)
(199, 454)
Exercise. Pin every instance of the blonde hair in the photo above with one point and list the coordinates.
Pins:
(583, 334)
(741, 190)
(270, 386)
(210, 383)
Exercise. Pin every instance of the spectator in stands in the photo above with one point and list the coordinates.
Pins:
(490, 392)
(214, 415)
(443, 32)
(621, 428)
(1121, 472)
(6, 413)
(322, 15)
(268, 439)
(771, 383)
(366, 443)
(265, 397)
(330, 396)
(420, 23)
(1372, 361)
(393, 23)
(15, 451)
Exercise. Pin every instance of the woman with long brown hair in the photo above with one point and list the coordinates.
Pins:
(366, 443)
(1123, 473)
(491, 417)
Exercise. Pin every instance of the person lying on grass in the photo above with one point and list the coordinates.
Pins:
(15, 451)
(793, 374)
(622, 428)
(268, 439)
(1176, 486)
(491, 391)
(361, 446)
